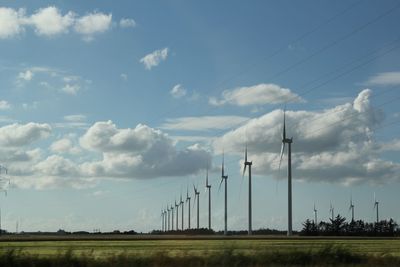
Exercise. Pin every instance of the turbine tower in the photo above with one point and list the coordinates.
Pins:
(172, 217)
(162, 221)
(248, 163)
(315, 215)
(351, 208)
(376, 206)
(168, 210)
(188, 200)
(177, 215)
(208, 188)
(288, 141)
(332, 211)
(181, 203)
(197, 197)
(224, 178)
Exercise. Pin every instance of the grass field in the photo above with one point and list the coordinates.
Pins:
(186, 248)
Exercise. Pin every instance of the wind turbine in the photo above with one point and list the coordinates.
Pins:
(351, 208)
(248, 163)
(177, 215)
(288, 141)
(188, 200)
(168, 210)
(197, 197)
(332, 211)
(376, 205)
(225, 178)
(162, 221)
(172, 217)
(208, 187)
(181, 203)
(315, 215)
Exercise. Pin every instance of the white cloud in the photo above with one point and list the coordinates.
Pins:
(385, 78)
(141, 152)
(75, 118)
(49, 21)
(92, 24)
(203, 123)
(15, 135)
(260, 94)
(178, 91)
(333, 145)
(27, 75)
(4, 105)
(71, 89)
(127, 23)
(153, 59)
(124, 76)
(11, 22)
(64, 145)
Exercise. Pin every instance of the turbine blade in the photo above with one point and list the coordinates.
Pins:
(223, 161)
(245, 154)
(244, 170)
(219, 187)
(281, 155)
(284, 124)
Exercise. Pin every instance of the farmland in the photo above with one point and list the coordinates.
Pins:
(204, 248)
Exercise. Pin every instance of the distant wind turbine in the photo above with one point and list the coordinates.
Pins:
(332, 211)
(224, 178)
(162, 221)
(315, 215)
(181, 203)
(197, 197)
(172, 217)
(376, 206)
(168, 226)
(288, 141)
(351, 208)
(248, 163)
(177, 215)
(208, 188)
(188, 200)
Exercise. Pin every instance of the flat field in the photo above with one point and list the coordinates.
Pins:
(183, 246)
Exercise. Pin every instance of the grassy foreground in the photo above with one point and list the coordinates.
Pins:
(217, 252)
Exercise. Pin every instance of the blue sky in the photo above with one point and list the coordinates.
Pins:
(110, 111)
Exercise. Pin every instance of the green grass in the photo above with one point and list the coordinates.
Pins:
(217, 252)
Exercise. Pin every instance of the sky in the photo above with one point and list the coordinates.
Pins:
(110, 111)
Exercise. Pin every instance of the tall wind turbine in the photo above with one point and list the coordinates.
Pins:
(288, 141)
(197, 197)
(224, 178)
(188, 200)
(172, 217)
(177, 215)
(168, 210)
(162, 221)
(181, 203)
(315, 215)
(376, 206)
(332, 211)
(208, 187)
(248, 163)
(351, 208)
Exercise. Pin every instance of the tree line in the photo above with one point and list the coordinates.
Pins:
(340, 227)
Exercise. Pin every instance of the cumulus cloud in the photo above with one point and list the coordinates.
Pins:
(141, 152)
(64, 145)
(260, 94)
(333, 145)
(15, 135)
(71, 89)
(92, 24)
(75, 118)
(11, 22)
(27, 75)
(178, 91)
(203, 123)
(127, 23)
(153, 59)
(4, 105)
(385, 78)
(49, 21)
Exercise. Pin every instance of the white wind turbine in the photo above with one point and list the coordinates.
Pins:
(351, 208)
(224, 178)
(376, 206)
(208, 187)
(168, 210)
(332, 212)
(288, 141)
(172, 217)
(248, 163)
(181, 203)
(315, 215)
(177, 215)
(188, 200)
(197, 197)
